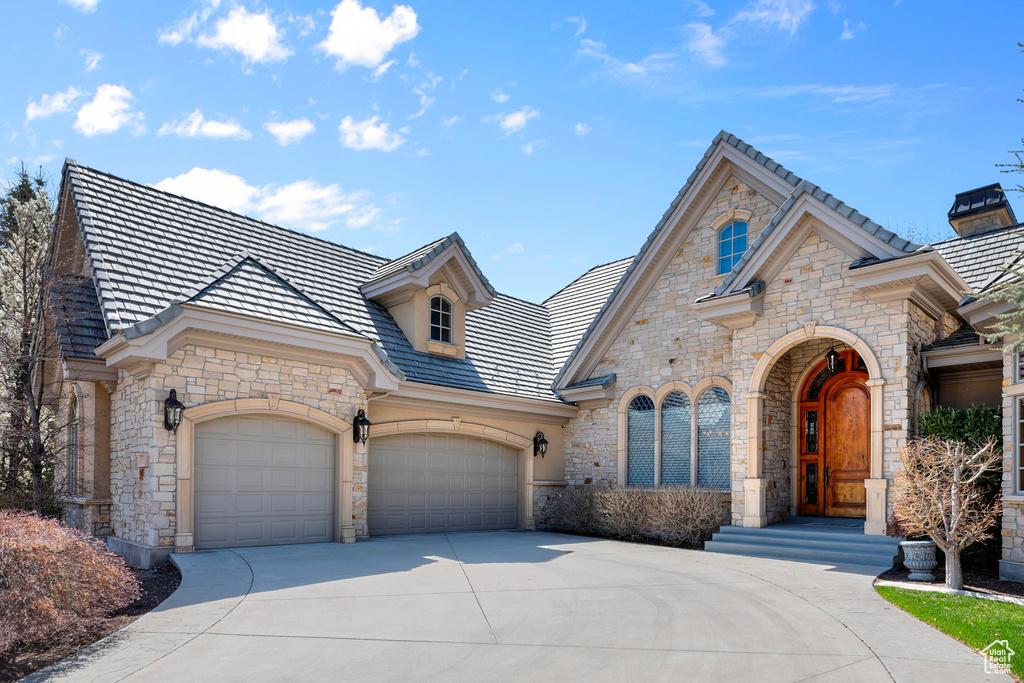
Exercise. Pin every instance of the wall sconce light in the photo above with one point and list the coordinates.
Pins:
(360, 427)
(540, 444)
(173, 408)
(832, 358)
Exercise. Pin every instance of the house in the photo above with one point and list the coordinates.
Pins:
(767, 339)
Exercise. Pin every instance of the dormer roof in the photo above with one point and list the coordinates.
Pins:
(396, 281)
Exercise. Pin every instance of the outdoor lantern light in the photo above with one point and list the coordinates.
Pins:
(360, 427)
(173, 408)
(540, 444)
(831, 358)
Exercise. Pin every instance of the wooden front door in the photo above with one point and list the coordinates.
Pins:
(834, 439)
(847, 444)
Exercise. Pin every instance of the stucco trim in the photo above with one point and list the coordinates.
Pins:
(524, 507)
(344, 530)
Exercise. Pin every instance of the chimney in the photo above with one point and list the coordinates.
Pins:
(980, 210)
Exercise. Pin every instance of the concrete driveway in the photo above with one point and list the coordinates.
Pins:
(517, 605)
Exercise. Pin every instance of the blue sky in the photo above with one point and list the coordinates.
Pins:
(551, 135)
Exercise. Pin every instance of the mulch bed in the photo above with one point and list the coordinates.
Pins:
(157, 584)
(981, 580)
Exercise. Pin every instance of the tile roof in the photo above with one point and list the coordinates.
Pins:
(148, 249)
(574, 307)
(964, 336)
(79, 323)
(980, 259)
(415, 260)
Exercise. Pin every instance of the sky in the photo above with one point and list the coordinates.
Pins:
(550, 135)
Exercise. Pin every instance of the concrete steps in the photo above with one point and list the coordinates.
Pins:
(809, 539)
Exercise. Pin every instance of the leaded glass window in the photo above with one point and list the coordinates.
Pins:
(440, 320)
(713, 442)
(811, 431)
(640, 454)
(732, 242)
(73, 448)
(819, 381)
(675, 439)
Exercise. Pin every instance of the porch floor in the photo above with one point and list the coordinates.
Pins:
(822, 540)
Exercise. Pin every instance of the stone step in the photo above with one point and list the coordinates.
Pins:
(799, 533)
(810, 541)
(837, 555)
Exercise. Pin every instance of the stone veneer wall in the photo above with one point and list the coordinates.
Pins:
(544, 497)
(1013, 499)
(665, 341)
(777, 437)
(143, 477)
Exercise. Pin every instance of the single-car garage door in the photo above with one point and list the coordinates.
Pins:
(421, 483)
(262, 480)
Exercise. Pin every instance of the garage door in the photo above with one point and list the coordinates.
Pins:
(421, 483)
(263, 480)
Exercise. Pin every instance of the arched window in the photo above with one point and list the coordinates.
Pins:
(73, 449)
(732, 242)
(640, 449)
(440, 320)
(713, 442)
(675, 439)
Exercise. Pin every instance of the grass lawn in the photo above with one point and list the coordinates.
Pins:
(974, 622)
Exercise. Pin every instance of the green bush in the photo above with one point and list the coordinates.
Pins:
(972, 426)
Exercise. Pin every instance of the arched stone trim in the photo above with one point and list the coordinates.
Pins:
(731, 216)
(667, 389)
(716, 381)
(754, 486)
(524, 515)
(623, 429)
(442, 289)
(344, 531)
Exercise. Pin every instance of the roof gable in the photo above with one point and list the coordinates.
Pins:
(395, 282)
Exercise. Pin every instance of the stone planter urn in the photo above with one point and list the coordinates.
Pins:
(919, 558)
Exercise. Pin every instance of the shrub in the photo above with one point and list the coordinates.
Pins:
(678, 515)
(54, 578)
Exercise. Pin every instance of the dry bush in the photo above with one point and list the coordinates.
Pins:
(54, 578)
(677, 515)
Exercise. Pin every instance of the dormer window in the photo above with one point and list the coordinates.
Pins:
(440, 320)
(732, 242)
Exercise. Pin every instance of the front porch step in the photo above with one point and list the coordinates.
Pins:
(842, 544)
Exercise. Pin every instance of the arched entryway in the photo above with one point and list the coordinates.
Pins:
(834, 435)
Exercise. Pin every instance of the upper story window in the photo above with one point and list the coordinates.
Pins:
(1018, 366)
(732, 242)
(440, 319)
(73, 447)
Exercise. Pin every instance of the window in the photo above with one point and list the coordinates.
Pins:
(713, 442)
(440, 320)
(1018, 452)
(675, 439)
(1018, 367)
(732, 242)
(677, 458)
(73, 447)
(640, 467)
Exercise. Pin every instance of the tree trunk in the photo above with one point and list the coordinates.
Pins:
(37, 487)
(954, 573)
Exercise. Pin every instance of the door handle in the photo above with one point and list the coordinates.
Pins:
(828, 470)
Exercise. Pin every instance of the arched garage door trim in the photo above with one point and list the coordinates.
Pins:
(344, 531)
(524, 507)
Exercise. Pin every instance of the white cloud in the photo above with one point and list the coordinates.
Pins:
(288, 132)
(581, 24)
(516, 121)
(849, 30)
(581, 128)
(701, 9)
(368, 134)
(305, 24)
(49, 105)
(449, 121)
(412, 61)
(706, 44)
(255, 36)
(184, 28)
(500, 97)
(381, 70)
(358, 35)
(654, 63)
(84, 6)
(516, 248)
(533, 146)
(92, 59)
(195, 125)
(304, 204)
(109, 111)
(784, 15)
(427, 86)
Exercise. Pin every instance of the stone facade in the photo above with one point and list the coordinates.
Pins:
(1012, 566)
(143, 453)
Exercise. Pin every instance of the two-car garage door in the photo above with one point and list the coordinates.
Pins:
(268, 480)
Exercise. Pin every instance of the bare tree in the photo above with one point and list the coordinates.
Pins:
(939, 493)
(30, 373)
